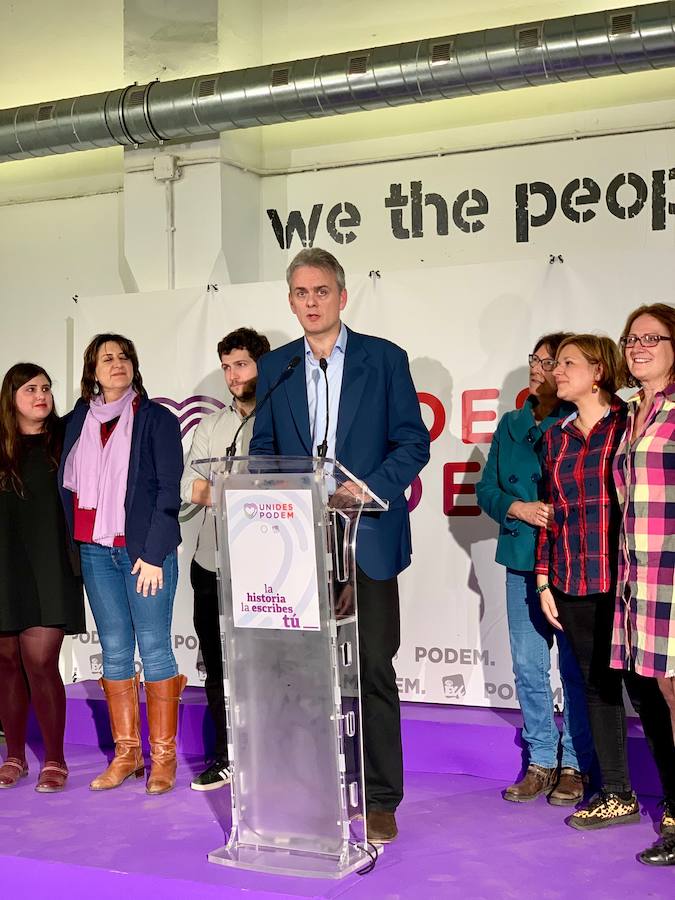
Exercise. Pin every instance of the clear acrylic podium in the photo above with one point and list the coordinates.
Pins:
(286, 531)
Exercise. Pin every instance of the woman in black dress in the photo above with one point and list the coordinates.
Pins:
(40, 593)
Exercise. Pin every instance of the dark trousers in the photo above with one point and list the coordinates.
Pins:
(587, 622)
(207, 626)
(379, 638)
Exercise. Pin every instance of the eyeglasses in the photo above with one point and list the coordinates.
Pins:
(548, 364)
(646, 340)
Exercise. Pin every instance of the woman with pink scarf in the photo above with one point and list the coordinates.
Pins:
(120, 474)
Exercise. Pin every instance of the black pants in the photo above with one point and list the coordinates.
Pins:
(587, 622)
(379, 638)
(207, 626)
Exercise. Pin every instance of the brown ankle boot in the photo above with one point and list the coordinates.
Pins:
(570, 788)
(538, 780)
(163, 698)
(122, 697)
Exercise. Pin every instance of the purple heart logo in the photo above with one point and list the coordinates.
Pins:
(250, 510)
(190, 411)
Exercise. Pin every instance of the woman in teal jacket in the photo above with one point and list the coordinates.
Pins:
(509, 493)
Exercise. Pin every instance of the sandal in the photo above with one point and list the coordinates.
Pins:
(11, 771)
(52, 778)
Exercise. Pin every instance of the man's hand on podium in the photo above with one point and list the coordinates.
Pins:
(344, 602)
(348, 496)
(201, 492)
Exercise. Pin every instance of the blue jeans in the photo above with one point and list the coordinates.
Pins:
(124, 616)
(531, 641)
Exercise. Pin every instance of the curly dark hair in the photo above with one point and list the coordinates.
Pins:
(10, 435)
(88, 385)
(244, 339)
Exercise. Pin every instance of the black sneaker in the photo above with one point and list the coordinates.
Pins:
(668, 818)
(661, 854)
(216, 776)
(604, 810)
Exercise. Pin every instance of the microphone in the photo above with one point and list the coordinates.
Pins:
(322, 449)
(289, 368)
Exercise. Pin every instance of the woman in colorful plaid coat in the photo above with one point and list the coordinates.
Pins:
(644, 473)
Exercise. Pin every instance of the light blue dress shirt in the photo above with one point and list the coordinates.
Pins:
(316, 392)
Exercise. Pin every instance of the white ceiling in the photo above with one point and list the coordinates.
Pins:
(57, 48)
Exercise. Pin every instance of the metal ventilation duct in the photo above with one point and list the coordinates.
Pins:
(614, 42)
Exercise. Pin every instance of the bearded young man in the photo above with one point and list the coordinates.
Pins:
(238, 352)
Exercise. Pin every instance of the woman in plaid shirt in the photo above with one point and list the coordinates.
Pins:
(576, 570)
(644, 474)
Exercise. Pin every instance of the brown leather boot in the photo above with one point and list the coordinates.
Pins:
(537, 780)
(381, 826)
(570, 788)
(163, 698)
(125, 723)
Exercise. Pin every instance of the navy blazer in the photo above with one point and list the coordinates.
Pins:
(381, 437)
(152, 500)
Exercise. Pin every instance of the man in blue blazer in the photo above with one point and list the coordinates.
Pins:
(376, 431)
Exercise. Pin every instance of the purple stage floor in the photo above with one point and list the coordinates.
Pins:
(459, 740)
(458, 837)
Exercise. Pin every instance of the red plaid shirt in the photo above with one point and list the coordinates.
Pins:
(578, 553)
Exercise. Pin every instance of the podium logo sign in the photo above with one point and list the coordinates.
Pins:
(272, 559)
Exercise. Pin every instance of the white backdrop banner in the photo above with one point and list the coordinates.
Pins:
(467, 330)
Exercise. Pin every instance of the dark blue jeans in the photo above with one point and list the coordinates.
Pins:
(124, 616)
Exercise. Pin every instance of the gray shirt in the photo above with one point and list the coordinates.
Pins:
(212, 437)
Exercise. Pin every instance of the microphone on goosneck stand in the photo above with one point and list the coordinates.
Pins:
(322, 448)
(289, 368)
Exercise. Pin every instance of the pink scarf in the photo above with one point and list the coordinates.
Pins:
(98, 474)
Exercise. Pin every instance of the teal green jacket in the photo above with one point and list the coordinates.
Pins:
(513, 472)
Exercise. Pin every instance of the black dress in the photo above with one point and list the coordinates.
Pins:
(39, 581)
